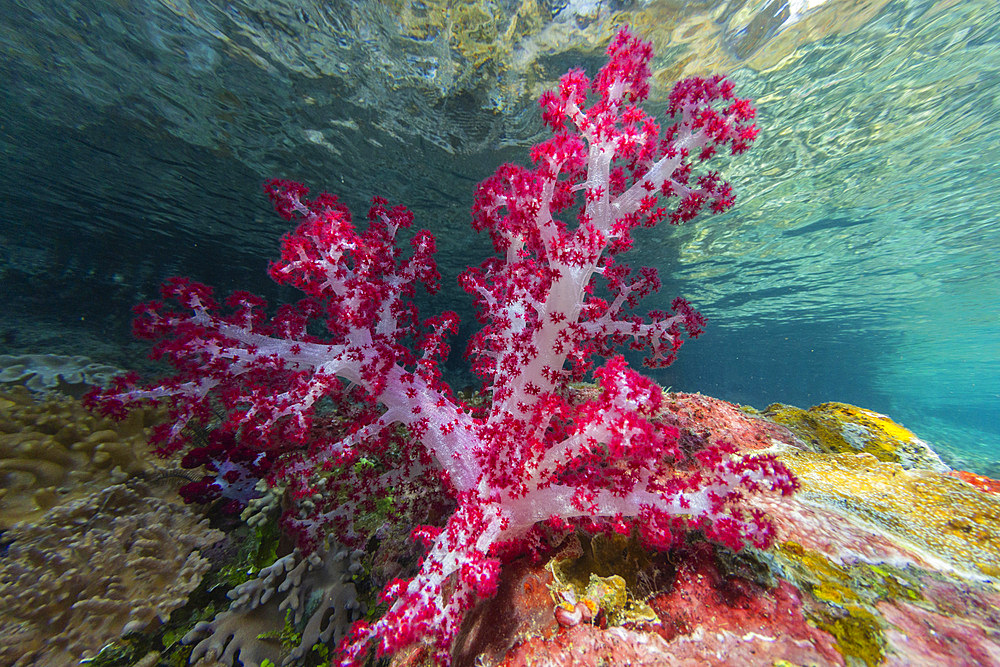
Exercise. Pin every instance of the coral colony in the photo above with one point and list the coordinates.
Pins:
(315, 414)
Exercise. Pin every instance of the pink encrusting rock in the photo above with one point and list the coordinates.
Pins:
(872, 564)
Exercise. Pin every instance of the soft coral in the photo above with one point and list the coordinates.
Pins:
(536, 456)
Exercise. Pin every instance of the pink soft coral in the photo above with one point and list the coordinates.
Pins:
(535, 457)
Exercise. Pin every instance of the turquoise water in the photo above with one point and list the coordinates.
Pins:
(859, 264)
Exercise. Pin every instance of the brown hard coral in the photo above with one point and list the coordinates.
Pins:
(54, 450)
(93, 569)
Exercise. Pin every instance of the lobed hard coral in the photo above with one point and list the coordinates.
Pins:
(117, 561)
(53, 450)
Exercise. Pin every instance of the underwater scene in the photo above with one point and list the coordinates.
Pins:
(500, 332)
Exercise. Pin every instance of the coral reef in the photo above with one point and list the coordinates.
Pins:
(933, 512)
(45, 372)
(530, 462)
(55, 450)
(843, 428)
(315, 591)
(338, 401)
(874, 563)
(115, 562)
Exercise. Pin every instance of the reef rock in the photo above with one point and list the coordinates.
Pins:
(885, 556)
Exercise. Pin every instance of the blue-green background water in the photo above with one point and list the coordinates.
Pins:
(859, 265)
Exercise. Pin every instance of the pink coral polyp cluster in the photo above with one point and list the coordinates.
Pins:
(551, 302)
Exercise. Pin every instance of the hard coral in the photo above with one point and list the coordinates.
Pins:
(54, 450)
(533, 460)
(315, 591)
(46, 372)
(93, 569)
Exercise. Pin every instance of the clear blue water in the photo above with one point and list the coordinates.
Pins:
(859, 264)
